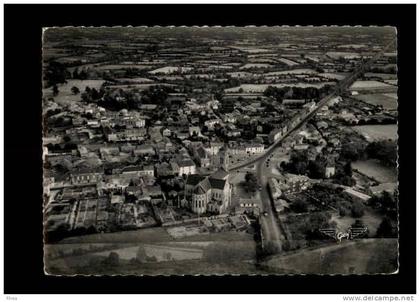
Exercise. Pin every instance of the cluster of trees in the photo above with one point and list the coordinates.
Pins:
(300, 164)
(307, 93)
(90, 94)
(55, 73)
(305, 229)
(385, 151)
(387, 204)
(251, 182)
(130, 99)
(343, 175)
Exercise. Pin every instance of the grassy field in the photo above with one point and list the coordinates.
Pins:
(371, 219)
(387, 102)
(228, 252)
(65, 96)
(367, 256)
(365, 85)
(260, 88)
(374, 169)
(170, 69)
(292, 71)
(378, 132)
(255, 65)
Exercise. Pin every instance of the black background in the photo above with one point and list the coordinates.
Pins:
(23, 250)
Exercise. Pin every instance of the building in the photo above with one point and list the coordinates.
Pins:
(86, 177)
(137, 171)
(185, 166)
(208, 193)
(275, 188)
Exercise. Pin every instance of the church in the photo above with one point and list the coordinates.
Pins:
(208, 193)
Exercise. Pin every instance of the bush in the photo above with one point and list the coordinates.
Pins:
(113, 259)
(343, 211)
(300, 206)
(357, 210)
(387, 229)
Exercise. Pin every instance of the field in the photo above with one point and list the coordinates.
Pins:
(292, 71)
(367, 256)
(383, 76)
(255, 65)
(260, 88)
(121, 66)
(65, 96)
(334, 76)
(226, 252)
(374, 169)
(170, 69)
(139, 86)
(338, 54)
(371, 219)
(385, 100)
(378, 132)
(250, 49)
(288, 62)
(366, 85)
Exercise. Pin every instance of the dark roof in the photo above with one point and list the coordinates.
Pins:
(217, 183)
(186, 163)
(201, 152)
(194, 179)
(205, 184)
(219, 174)
(199, 190)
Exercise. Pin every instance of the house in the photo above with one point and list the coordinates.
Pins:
(86, 176)
(186, 167)
(254, 148)
(275, 188)
(294, 103)
(194, 130)
(202, 157)
(137, 171)
(208, 193)
(127, 135)
(144, 150)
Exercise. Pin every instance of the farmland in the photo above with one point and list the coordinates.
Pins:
(374, 169)
(170, 69)
(260, 88)
(354, 257)
(366, 85)
(378, 132)
(384, 100)
(255, 65)
(66, 96)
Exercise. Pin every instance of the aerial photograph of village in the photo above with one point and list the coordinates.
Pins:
(220, 150)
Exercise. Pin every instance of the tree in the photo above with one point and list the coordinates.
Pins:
(387, 229)
(251, 182)
(113, 259)
(316, 169)
(357, 209)
(348, 171)
(141, 254)
(300, 206)
(75, 90)
(55, 90)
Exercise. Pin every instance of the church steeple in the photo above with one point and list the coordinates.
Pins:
(224, 159)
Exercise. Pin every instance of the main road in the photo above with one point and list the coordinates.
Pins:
(271, 231)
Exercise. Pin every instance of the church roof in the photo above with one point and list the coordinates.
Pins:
(194, 179)
(220, 174)
(217, 183)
